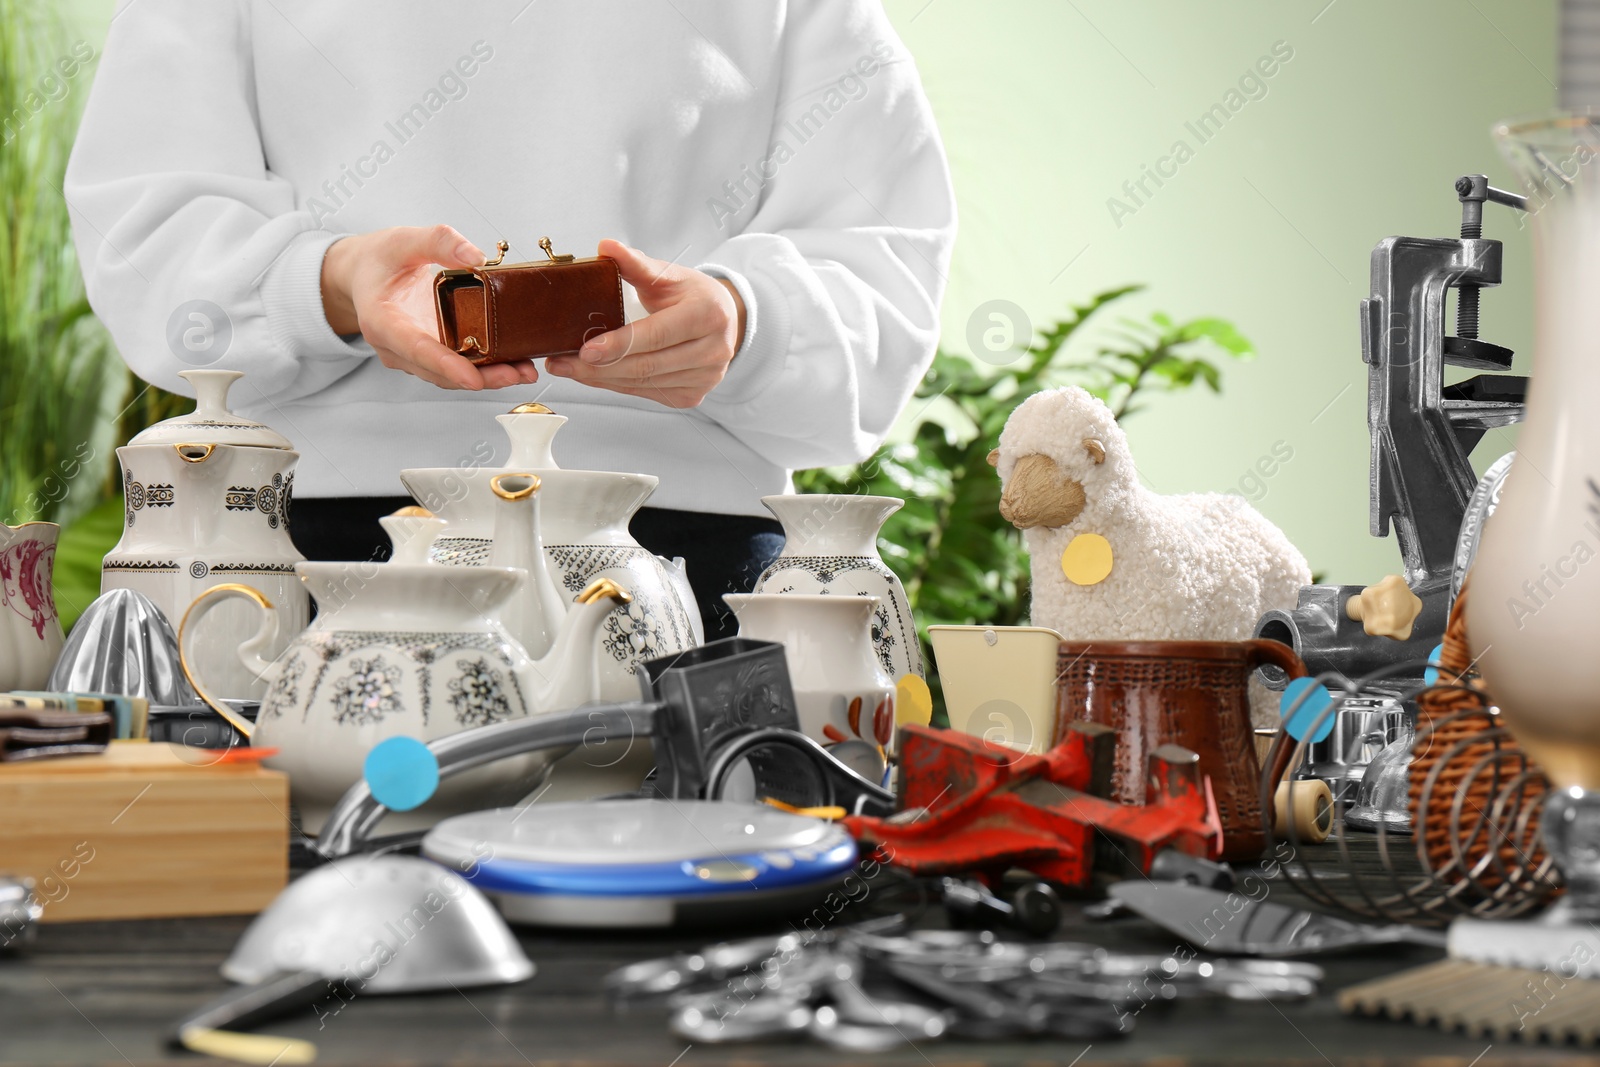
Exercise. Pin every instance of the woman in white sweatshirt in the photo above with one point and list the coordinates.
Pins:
(301, 169)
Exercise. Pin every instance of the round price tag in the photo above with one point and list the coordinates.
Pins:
(401, 772)
(1087, 559)
(1305, 717)
(1431, 675)
(913, 702)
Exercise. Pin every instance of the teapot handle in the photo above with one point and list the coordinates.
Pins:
(249, 652)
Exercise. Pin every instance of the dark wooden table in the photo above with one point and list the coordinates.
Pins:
(107, 992)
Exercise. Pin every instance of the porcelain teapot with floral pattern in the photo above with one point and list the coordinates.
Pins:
(584, 519)
(415, 648)
(206, 503)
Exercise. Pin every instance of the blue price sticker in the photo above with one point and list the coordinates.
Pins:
(401, 772)
(1431, 675)
(1304, 718)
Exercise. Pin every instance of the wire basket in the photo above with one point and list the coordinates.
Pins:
(1475, 799)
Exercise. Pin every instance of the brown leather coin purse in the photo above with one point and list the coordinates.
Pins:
(508, 312)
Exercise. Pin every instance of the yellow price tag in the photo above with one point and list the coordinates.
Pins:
(913, 702)
(1087, 560)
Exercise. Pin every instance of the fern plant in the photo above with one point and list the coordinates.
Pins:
(960, 562)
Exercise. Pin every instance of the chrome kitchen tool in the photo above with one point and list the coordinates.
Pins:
(19, 912)
(721, 721)
(1237, 924)
(1362, 726)
(1423, 432)
(123, 644)
(365, 924)
(641, 862)
(1384, 795)
(1485, 499)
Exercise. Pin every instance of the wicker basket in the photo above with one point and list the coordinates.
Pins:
(1475, 795)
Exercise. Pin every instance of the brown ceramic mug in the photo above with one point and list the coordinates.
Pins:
(1190, 693)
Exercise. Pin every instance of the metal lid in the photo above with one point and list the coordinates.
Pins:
(639, 847)
(211, 423)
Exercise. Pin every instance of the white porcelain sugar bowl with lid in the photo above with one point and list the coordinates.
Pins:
(206, 502)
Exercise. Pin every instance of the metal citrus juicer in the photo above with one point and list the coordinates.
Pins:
(1423, 432)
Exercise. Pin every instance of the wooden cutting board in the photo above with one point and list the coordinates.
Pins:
(145, 831)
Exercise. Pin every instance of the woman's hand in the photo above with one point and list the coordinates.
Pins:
(675, 355)
(380, 285)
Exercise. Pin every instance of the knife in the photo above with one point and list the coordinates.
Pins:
(1236, 924)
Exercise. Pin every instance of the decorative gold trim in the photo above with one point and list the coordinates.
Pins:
(204, 455)
(603, 589)
(237, 721)
(413, 511)
(502, 248)
(532, 407)
(497, 483)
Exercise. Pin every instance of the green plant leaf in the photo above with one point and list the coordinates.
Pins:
(83, 545)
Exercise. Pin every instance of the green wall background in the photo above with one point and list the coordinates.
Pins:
(1048, 106)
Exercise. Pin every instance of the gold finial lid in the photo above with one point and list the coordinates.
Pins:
(532, 407)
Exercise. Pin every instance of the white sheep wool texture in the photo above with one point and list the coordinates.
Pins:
(1200, 566)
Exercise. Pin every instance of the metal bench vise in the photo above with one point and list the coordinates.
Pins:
(971, 805)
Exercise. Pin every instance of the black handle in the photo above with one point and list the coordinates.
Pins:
(250, 1005)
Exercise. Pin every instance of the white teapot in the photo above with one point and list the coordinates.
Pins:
(415, 648)
(206, 503)
(584, 519)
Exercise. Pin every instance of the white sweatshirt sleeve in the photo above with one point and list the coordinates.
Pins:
(842, 263)
(173, 202)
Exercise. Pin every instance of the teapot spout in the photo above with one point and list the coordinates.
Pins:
(535, 614)
(572, 668)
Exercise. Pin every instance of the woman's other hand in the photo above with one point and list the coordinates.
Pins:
(676, 354)
(380, 285)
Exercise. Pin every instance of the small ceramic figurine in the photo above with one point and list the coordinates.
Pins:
(30, 638)
(1113, 560)
(413, 648)
(830, 545)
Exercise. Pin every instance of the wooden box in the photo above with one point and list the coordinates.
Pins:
(145, 831)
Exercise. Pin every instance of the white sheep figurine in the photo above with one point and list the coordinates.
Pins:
(1202, 566)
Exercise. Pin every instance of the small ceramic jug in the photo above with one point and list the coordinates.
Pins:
(831, 546)
(844, 697)
(30, 639)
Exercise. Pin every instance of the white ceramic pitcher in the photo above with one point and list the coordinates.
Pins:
(30, 635)
(844, 697)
